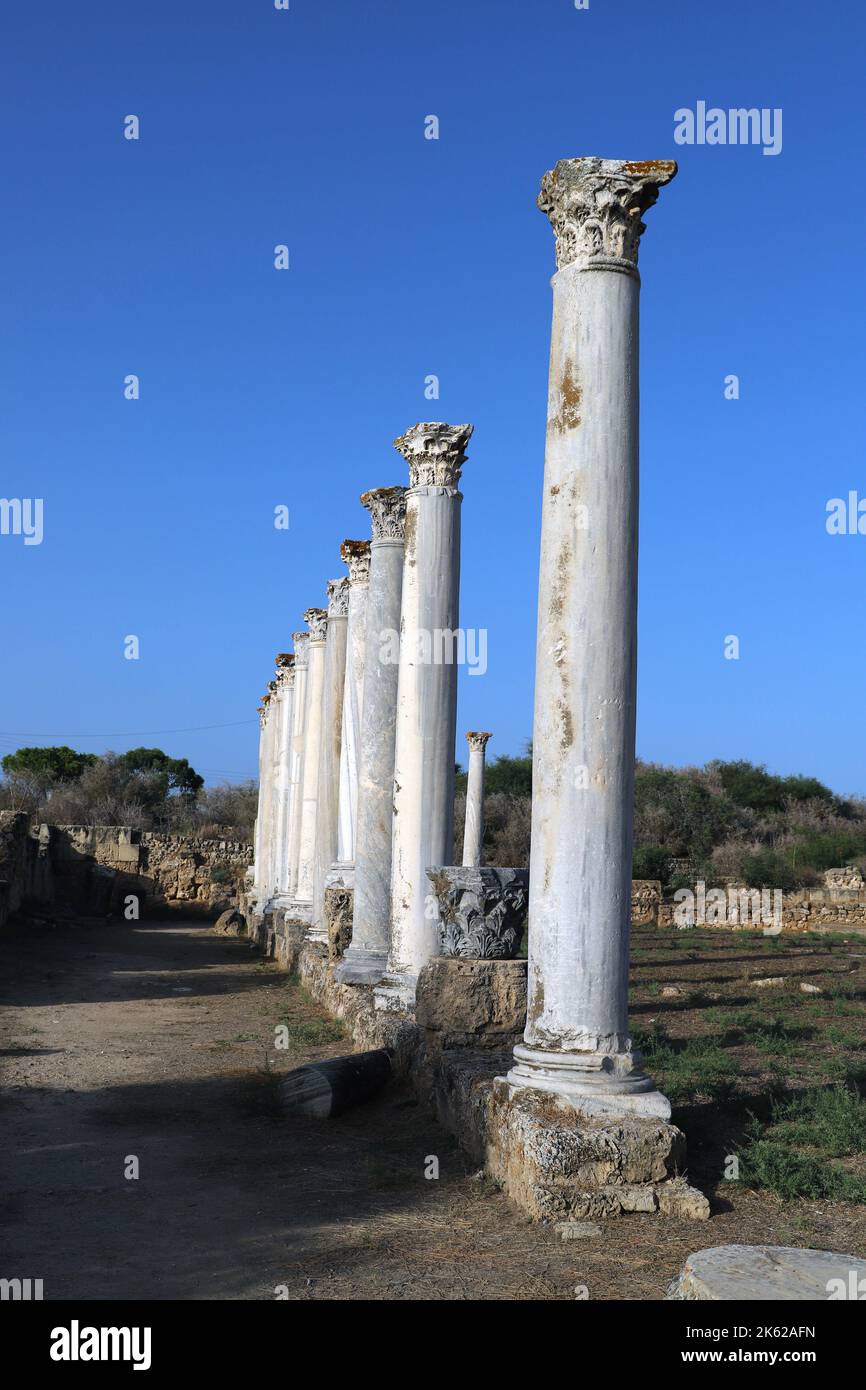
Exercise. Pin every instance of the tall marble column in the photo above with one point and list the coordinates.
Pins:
(473, 832)
(365, 960)
(355, 554)
(284, 699)
(327, 806)
(576, 1042)
(266, 797)
(317, 620)
(426, 699)
(301, 642)
(258, 833)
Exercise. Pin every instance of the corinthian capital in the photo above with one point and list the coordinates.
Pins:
(317, 621)
(477, 741)
(285, 669)
(356, 554)
(595, 207)
(387, 508)
(435, 453)
(338, 598)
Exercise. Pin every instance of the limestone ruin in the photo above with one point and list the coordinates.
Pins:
(563, 1116)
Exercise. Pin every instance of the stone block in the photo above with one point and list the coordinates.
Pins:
(471, 1003)
(559, 1164)
(769, 1273)
(338, 908)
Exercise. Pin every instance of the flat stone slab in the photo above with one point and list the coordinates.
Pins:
(578, 1230)
(769, 1274)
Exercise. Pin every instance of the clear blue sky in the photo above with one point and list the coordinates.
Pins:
(411, 257)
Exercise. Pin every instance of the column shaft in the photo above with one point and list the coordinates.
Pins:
(356, 554)
(327, 807)
(299, 712)
(473, 831)
(576, 1040)
(318, 621)
(366, 958)
(426, 700)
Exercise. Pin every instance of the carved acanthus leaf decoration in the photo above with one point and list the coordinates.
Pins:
(595, 206)
(435, 453)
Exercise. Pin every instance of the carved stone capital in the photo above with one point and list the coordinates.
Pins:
(477, 741)
(435, 453)
(285, 669)
(356, 554)
(301, 641)
(338, 598)
(595, 208)
(482, 911)
(387, 508)
(317, 621)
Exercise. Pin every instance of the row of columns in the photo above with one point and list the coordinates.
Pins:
(378, 728)
(357, 733)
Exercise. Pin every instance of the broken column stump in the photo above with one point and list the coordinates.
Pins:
(328, 1088)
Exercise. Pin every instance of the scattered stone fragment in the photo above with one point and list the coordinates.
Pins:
(768, 982)
(810, 989)
(768, 1273)
(671, 992)
(578, 1230)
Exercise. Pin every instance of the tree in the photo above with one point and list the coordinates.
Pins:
(51, 765)
(169, 774)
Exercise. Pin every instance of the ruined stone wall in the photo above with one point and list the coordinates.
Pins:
(839, 904)
(91, 869)
(26, 878)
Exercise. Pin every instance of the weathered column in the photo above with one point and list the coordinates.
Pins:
(285, 700)
(301, 642)
(355, 554)
(258, 862)
(327, 807)
(366, 958)
(317, 619)
(576, 1041)
(426, 699)
(473, 832)
(266, 794)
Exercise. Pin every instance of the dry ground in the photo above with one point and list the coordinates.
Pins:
(156, 1040)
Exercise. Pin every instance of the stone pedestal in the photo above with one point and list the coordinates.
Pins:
(473, 832)
(426, 698)
(317, 619)
(577, 1043)
(327, 806)
(366, 958)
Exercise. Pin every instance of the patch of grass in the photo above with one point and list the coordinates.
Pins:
(313, 1032)
(689, 1069)
(790, 1154)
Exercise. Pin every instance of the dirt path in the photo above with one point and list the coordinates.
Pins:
(156, 1040)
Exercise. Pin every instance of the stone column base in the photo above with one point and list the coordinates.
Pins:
(559, 1165)
(361, 967)
(296, 911)
(594, 1083)
(396, 994)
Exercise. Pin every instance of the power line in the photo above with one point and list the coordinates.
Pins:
(137, 733)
